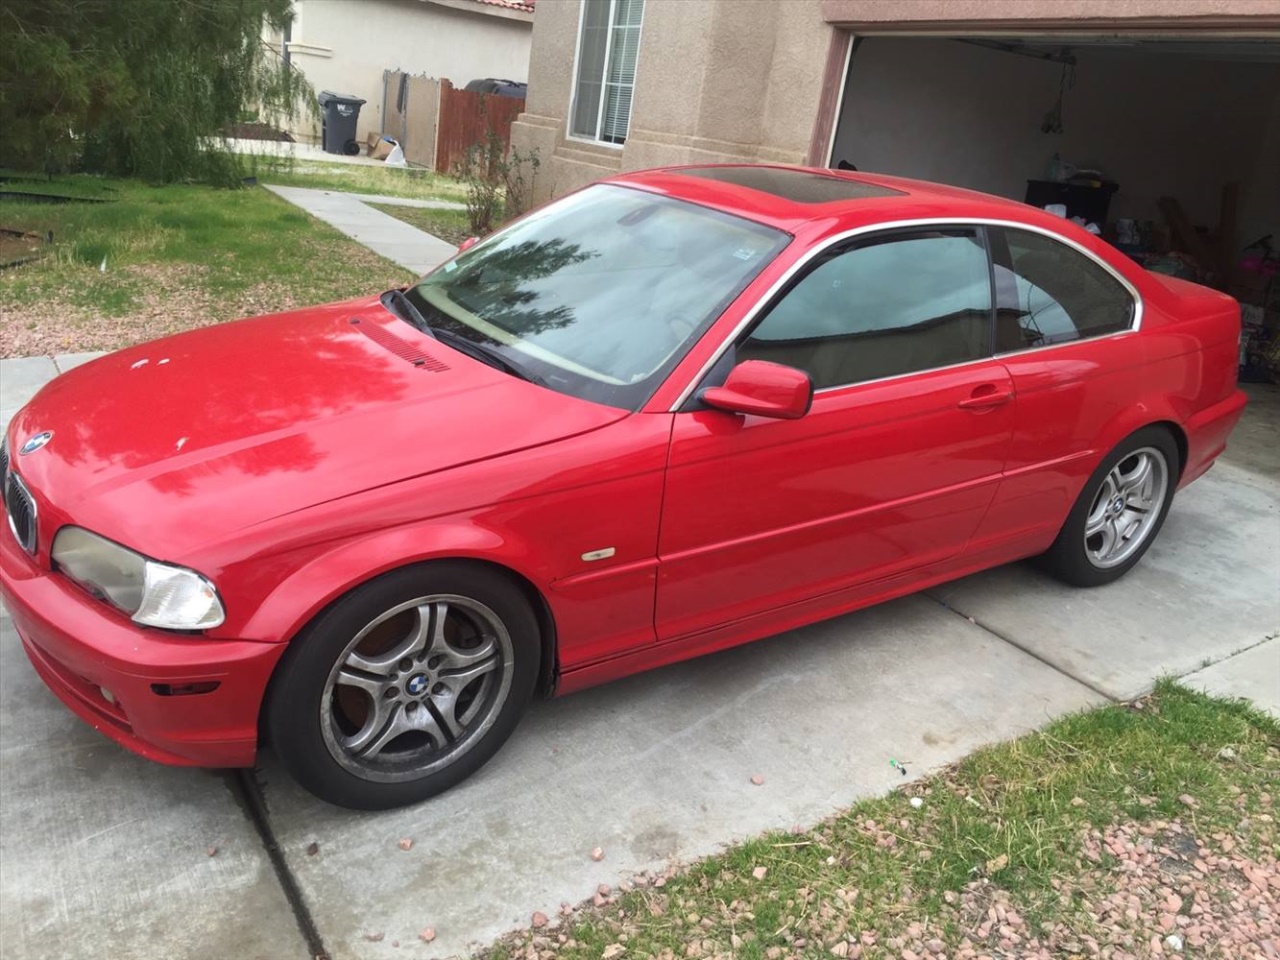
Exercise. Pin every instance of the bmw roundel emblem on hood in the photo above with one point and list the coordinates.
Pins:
(36, 442)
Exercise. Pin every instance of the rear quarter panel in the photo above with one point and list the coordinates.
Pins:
(1076, 402)
(1193, 343)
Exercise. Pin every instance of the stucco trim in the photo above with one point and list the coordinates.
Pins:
(309, 49)
(833, 79)
(993, 17)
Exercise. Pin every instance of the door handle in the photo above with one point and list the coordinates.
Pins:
(985, 397)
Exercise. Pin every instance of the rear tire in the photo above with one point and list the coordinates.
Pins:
(1119, 512)
(405, 686)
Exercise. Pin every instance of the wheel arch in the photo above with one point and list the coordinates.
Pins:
(1154, 412)
(314, 588)
(1179, 439)
(548, 667)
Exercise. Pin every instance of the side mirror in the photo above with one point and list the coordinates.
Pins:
(763, 389)
(468, 243)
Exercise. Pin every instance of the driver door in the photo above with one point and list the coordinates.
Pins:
(893, 467)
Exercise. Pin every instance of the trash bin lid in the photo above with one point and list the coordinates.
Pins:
(328, 96)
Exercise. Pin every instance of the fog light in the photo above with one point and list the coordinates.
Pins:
(107, 695)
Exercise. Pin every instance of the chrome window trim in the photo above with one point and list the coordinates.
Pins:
(35, 514)
(1135, 323)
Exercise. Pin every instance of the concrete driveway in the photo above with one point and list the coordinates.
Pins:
(102, 854)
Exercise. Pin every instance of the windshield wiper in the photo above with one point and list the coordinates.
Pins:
(395, 301)
(486, 354)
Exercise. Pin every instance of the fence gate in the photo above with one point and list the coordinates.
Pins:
(411, 111)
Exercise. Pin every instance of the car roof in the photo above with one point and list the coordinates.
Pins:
(787, 197)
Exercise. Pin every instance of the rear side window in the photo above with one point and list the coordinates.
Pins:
(1048, 293)
(883, 307)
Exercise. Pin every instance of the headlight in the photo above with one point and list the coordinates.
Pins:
(152, 593)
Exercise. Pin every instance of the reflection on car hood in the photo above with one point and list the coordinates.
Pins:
(173, 443)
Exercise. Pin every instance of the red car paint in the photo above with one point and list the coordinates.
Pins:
(291, 458)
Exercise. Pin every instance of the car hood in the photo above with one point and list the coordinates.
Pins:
(176, 443)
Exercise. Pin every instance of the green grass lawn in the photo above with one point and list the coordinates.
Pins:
(1117, 827)
(449, 225)
(158, 259)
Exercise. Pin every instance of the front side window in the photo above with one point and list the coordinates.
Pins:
(607, 50)
(884, 307)
(600, 294)
(1048, 293)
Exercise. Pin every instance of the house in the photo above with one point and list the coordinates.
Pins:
(1163, 99)
(345, 45)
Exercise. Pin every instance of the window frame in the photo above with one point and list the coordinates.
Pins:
(979, 232)
(999, 254)
(770, 296)
(573, 87)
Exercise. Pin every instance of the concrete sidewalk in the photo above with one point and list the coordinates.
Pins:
(300, 153)
(102, 854)
(414, 249)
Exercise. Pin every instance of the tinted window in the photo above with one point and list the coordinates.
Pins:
(1047, 293)
(600, 293)
(897, 305)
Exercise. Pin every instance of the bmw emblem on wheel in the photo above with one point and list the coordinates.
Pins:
(416, 685)
(36, 442)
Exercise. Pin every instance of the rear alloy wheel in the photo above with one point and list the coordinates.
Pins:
(1119, 512)
(406, 686)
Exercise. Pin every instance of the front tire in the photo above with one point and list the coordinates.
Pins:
(406, 686)
(1119, 512)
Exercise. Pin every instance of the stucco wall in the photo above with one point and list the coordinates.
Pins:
(1159, 124)
(344, 47)
(716, 80)
(741, 79)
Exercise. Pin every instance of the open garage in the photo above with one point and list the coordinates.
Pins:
(1171, 146)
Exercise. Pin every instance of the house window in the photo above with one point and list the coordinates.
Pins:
(607, 51)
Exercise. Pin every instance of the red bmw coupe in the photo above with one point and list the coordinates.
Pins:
(673, 412)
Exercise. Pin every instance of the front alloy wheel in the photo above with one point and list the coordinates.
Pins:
(405, 686)
(417, 688)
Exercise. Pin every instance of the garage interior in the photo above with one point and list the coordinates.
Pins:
(1171, 146)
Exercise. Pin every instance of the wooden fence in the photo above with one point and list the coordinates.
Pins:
(435, 122)
(465, 118)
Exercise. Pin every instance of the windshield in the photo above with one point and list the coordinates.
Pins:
(600, 294)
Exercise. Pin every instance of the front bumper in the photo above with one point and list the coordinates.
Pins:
(79, 647)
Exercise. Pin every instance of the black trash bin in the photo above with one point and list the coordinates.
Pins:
(339, 113)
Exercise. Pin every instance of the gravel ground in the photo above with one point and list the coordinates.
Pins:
(1137, 891)
(168, 299)
(1167, 892)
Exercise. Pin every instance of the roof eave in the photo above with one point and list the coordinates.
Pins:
(486, 9)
